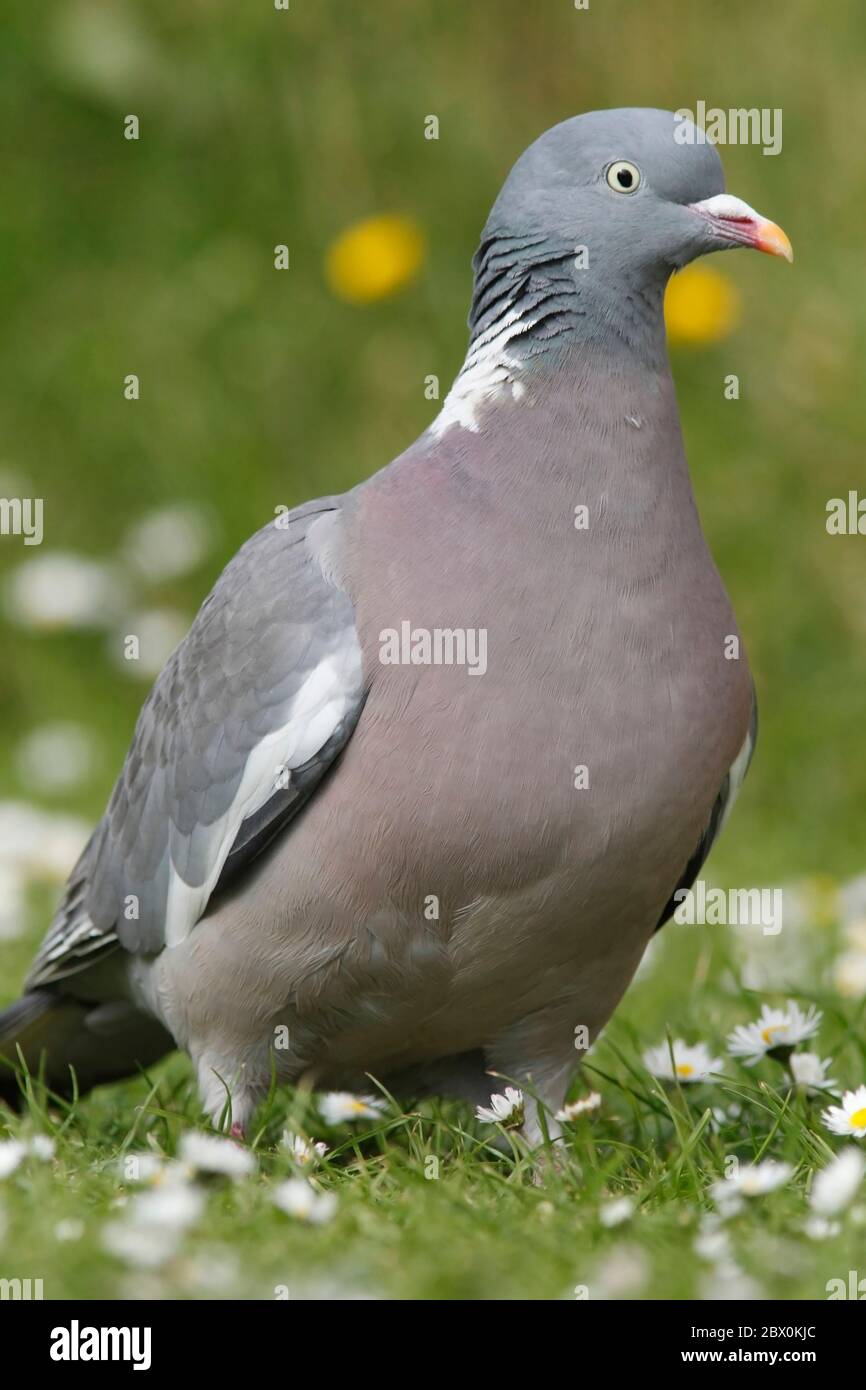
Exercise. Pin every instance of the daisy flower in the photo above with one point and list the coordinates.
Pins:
(775, 1028)
(207, 1153)
(850, 1116)
(689, 1063)
(39, 844)
(12, 1151)
(850, 975)
(820, 1228)
(298, 1198)
(571, 1112)
(614, 1213)
(62, 590)
(503, 1110)
(836, 1186)
(174, 1205)
(154, 1223)
(713, 1245)
(167, 543)
(13, 902)
(40, 1146)
(56, 757)
(303, 1151)
(144, 1247)
(751, 1180)
(337, 1106)
(158, 630)
(70, 1229)
(142, 1167)
(809, 1072)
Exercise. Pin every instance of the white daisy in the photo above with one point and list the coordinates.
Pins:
(337, 1106)
(298, 1198)
(38, 843)
(774, 1028)
(821, 1228)
(855, 934)
(616, 1212)
(852, 901)
(836, 1186)
(810, 1073)
(176, 1205)
(690, 1063)
(143, 1167)
(153, 1224)
(167, 543)
(303, 1151)
(576, 1108)
(207, 1153)
(69, 1229)
(13, 903)
(849, 974)
(40, 1146)
(713, 1245)
(622, 1273)
(12, 1152)
(62, 590)
(503, 1110)
(145, 1247)
(56, 757)
(751, 1180)
(158, 632)
(850, 1116)
(727, 1282)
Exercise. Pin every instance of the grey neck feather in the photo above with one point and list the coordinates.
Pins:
(555, 308)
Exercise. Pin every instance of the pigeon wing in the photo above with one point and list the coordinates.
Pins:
(250, 712)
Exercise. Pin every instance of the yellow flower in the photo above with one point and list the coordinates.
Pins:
(701, 306)
(374, 258)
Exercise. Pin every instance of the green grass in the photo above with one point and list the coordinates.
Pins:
(485, 1220)
(260, 389)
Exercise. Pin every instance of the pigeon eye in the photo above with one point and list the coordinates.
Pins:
(624, 177)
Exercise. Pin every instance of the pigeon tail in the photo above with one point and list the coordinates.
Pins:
(73, 1045)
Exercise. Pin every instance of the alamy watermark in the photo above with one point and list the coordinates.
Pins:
(22, 516)
(21, 1290)
(438, 646)
(77, 1343)
(853, 1287)
(731, 907)
(846, 516)
(710, 125)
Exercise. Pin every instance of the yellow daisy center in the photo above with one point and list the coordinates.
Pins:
(685, 1069)
(767, 1033)
(858, 1119)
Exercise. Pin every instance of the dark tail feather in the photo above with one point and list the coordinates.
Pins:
(58, 1036)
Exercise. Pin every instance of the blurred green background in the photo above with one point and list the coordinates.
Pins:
(261, 387)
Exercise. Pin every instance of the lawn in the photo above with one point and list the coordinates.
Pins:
(260, 388)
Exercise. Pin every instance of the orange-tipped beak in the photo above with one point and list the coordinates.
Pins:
(769, 237)
(734, 221)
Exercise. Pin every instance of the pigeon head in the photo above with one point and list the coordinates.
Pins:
(593, 219)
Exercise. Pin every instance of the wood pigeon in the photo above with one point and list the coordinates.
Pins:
(417, 788)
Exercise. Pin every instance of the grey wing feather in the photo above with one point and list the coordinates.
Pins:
(249, 713)
(721, 810)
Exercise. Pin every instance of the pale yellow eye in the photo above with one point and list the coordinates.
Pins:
(624, 177)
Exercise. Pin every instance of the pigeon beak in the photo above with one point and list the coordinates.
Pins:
(734, 221)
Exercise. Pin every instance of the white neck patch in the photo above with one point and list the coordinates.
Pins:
(487, 375)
